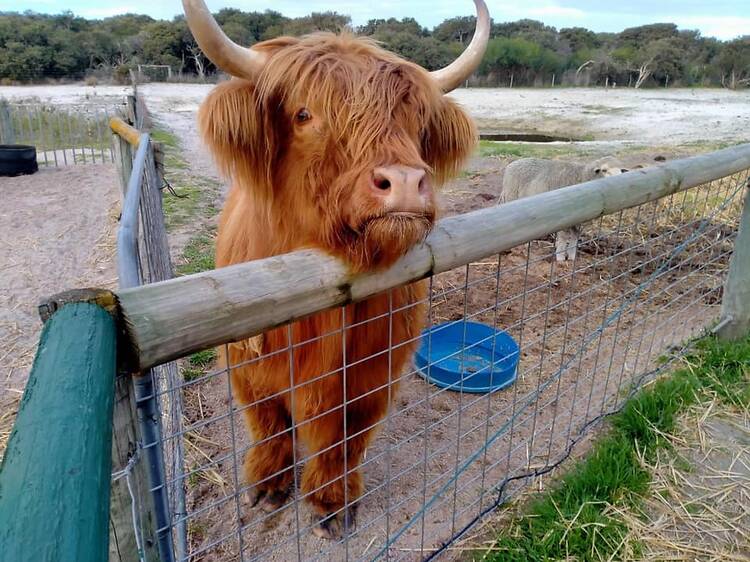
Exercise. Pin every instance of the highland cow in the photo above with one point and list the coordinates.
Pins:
(330, 142)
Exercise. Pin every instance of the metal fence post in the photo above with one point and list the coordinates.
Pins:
(735, 304)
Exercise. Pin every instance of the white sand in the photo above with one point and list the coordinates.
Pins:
(655, 117)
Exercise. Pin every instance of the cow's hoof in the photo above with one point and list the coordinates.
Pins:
(334, 525)
(268, 500)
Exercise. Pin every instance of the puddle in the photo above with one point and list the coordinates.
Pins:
(525, 137)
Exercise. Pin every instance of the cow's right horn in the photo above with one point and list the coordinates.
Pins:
(453, 75)
(220, 49)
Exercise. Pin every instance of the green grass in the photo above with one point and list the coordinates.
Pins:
(173, 159)
(198, 364)
(198, 255)
(194, 198)
(195, 194)
(180, 208)
(166, 138)
(528, 150)
(572, 522)
(203, 359)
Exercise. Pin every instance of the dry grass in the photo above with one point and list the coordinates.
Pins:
(7, 416)
(700, 505)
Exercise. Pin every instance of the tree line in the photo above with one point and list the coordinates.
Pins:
(36, 47)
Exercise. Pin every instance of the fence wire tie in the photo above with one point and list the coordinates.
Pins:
(168, 187)
(127, 473)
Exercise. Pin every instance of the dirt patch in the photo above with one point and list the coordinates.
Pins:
(57, 232)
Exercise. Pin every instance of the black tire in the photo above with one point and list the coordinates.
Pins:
(17, 159)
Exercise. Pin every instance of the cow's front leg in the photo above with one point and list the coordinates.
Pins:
(332, 493)
(268, 462)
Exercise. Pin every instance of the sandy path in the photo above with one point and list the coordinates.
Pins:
(57, 232)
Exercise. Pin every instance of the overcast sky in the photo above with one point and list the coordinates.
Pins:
(725, 19)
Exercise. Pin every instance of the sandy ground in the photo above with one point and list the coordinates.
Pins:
(648, 117)
(57, 232)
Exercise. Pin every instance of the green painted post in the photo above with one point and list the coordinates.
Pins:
(55, 477)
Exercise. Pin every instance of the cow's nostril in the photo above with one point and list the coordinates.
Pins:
(382, 183)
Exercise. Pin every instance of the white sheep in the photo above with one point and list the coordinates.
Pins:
(532, 176)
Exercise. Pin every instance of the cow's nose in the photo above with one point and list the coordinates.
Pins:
(403, 189)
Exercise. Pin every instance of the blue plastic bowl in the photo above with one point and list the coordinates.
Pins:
(458, 356)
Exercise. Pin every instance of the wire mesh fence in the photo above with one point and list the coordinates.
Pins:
(63, 134)
(326, 428)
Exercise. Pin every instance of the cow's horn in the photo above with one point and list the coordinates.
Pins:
(220, 49)
(453, 75)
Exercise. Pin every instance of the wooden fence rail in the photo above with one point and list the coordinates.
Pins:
(184, 315)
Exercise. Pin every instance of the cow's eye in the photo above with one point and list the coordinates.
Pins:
(303, 115)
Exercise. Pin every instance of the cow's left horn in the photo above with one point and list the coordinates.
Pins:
(220, 49)
(460, 69)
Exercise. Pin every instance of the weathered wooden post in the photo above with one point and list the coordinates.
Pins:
(125, 540)
(735, 304)
(55, 477)
(7, 133)
(125, 139)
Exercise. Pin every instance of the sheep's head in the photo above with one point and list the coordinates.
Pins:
(607, 167)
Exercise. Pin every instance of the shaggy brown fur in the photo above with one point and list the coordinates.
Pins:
(301, 179)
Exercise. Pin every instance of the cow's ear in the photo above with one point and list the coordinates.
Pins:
(236, 127)
(449, 140)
